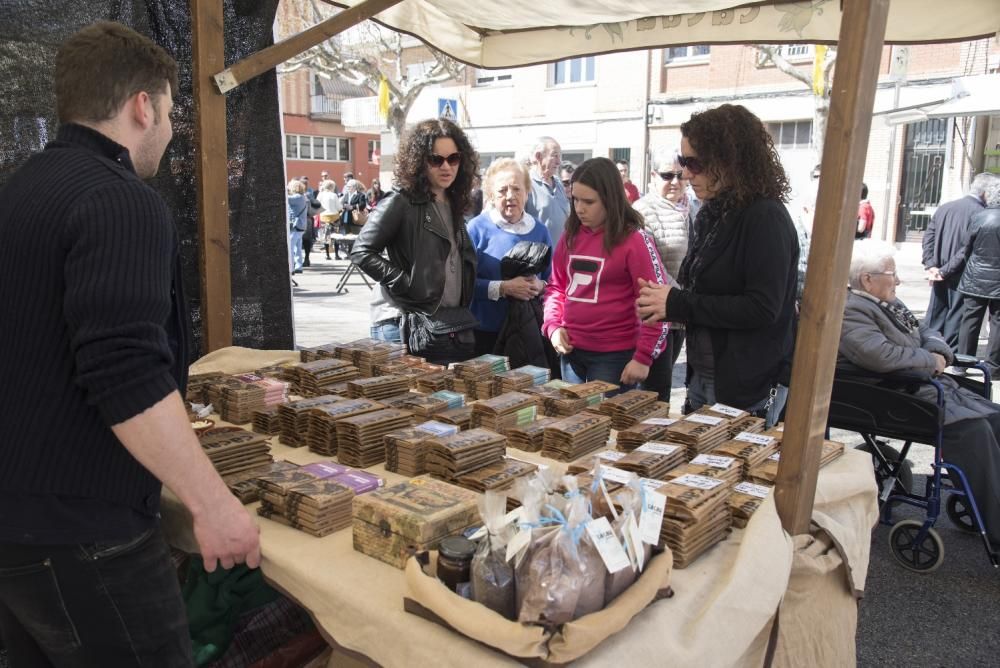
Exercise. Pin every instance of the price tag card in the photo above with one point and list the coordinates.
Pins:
(651, 484)
(658, 448)
(727, 410)
(697, 481)
(651, 519)
(611, 551)
(611, 455)
(775, 457)
(756, 439)
(663, 422)
(715, 461)
(760, 491)
(704, 419)
(438, 428)
(518, 544)
(616, 475)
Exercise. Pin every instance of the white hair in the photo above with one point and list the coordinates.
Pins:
(869, 256)
(662, 156)
(542, 145)
(992, 194)
(981, 182)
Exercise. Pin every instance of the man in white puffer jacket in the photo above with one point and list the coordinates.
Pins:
(666, 211)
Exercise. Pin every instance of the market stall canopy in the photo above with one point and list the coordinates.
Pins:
(509, 33)
(970, 96)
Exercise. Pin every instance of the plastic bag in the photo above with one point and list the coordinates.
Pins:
(629, 499)
(492, 577)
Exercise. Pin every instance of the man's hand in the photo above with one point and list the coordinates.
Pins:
(933, 274)
(634, 372)
(522, 287)
(651, 305)
(939, 363)
(560, 341)
(226, 534)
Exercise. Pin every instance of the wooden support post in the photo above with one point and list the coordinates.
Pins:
(862, 33)
(272, 56)
(212, 174)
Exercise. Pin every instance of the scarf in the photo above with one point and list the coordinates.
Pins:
(899, 315)
(707, 225)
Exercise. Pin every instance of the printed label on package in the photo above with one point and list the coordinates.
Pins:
(715, 461)
(756, 439)
(697, 481)
(726, 410)
(760, 491)
(657, 448)
(610, 549)
(704, 419)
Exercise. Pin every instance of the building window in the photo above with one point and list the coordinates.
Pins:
(493, 77)
(574, 70)
(621, 155)
(686, 54)
(486, 159)
(373, 151)
(308, 147)
(796, 53)
(791, 134)
(418, 70)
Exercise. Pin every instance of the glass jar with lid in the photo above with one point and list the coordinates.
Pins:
(455, 563)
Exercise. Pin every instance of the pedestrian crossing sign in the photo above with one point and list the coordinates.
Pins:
(448, 108)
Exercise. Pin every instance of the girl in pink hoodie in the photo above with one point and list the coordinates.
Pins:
(590, 314)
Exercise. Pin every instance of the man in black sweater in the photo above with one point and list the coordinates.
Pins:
(94, 355)
(944, 251)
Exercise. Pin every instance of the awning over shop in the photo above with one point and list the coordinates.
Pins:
(970, 96)
(506, 33)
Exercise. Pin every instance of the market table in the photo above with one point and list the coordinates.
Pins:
(722, 612)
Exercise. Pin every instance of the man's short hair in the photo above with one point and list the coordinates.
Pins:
(980, 183)
(348, 175)
(542, 145)
(567, 166)
(869, 256)
(992, 194)
(103, 65)
(621, 163)
(864, 191)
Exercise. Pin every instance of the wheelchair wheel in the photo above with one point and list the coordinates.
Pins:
(921, 558)
(960, 514)
(892, 456)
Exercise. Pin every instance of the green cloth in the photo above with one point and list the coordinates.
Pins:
(215, 602)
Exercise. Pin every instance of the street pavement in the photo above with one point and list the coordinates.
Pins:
(945, 618)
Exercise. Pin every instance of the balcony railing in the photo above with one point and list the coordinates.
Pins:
(325, 106)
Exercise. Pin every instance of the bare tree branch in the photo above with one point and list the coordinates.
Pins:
(772, 54)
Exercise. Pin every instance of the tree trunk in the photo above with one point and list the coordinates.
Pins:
(821, 111)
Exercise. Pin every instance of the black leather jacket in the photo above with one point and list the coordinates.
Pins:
(981, 277)
(417, 246)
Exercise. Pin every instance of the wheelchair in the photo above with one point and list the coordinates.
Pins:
(880, 407)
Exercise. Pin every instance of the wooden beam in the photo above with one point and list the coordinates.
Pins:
(272, 56)
(211, 168)
(859, 49)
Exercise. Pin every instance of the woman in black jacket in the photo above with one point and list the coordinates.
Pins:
(429, 266)
(740, 271)
(980, 282)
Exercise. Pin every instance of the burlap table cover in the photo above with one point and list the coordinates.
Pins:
(721, 614)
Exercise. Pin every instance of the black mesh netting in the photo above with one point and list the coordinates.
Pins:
(30, 34)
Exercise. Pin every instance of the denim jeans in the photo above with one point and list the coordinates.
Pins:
(98, 604)
(386, 330)
(296, 254)
(701, 391)
(581, 366)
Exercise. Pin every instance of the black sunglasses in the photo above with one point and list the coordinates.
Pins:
(436, 160)
(693, 165)
(670, 176)
(566, 183)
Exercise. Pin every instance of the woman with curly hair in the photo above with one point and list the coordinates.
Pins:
(429, 268)
(599, 263)
(739, 275)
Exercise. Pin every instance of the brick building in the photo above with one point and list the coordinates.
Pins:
(315, 139)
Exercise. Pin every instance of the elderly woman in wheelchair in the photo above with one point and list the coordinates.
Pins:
(881, 335)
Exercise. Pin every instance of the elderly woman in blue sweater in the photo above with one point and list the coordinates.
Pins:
(494, 232)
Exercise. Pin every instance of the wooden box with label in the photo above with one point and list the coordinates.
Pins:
(417, 514)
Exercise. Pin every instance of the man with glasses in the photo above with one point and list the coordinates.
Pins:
(566, 177)
(547, 202)
(666, 210)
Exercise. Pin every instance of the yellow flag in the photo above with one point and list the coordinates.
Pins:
(818, 61)
(383, 98)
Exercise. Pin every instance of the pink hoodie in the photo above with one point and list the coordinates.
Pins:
(592, 294)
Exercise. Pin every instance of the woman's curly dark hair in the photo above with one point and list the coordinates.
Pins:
(411, 162)
(737, 149)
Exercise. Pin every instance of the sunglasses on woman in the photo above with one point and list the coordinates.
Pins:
(436, 160)
(670, 176)
(693, 165)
